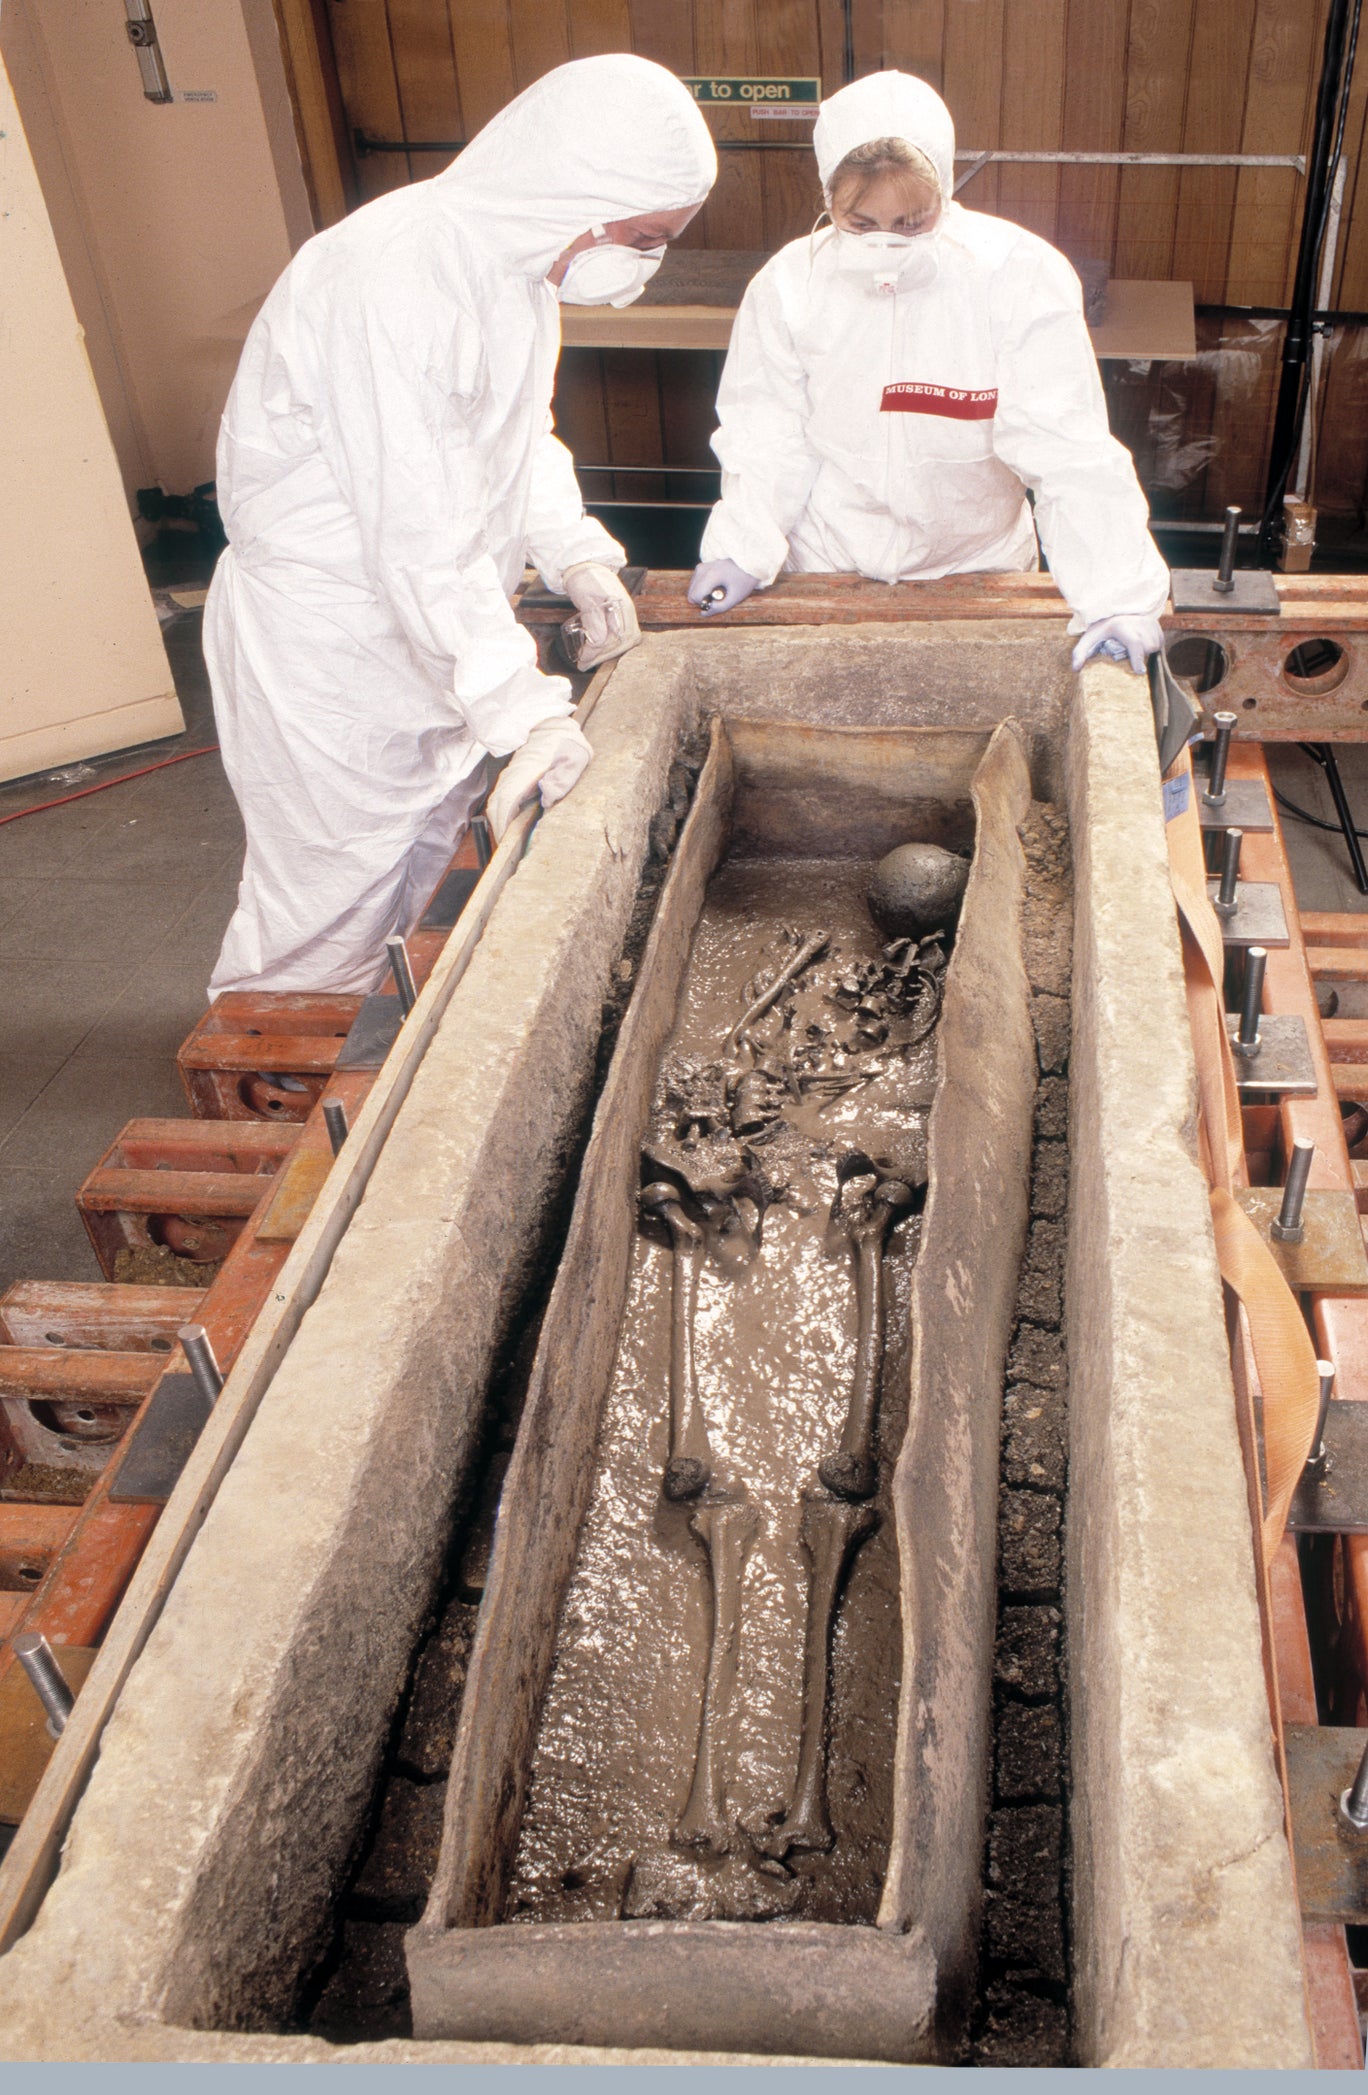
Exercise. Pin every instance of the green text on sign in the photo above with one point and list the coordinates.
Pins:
(737, 92)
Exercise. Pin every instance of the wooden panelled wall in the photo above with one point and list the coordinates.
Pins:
(1215, 76)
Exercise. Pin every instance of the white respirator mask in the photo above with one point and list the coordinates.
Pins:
(890, 261)
(608, 275)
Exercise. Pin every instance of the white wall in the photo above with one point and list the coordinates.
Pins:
(82, 666)
(173, 220)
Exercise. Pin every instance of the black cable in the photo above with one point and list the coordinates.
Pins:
(1346, 88)
(1315, 821)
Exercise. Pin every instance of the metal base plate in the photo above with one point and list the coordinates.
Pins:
(1330, 1258)
(1331, 1855)
(1259, 919)
(160, 1444)
(1244, 806)
(450, 899)
(1332, 1498)
(1283, 1061)
(1191, 590)
(373, 1033)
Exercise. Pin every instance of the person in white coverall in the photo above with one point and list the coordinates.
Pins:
(386, 469)
(898, 380)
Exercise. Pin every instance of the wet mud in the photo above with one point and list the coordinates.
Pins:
(831, 1090)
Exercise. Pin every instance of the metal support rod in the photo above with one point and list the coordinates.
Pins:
(194, 1344)
(403, 974)
(1324, 291)
(1225, 576)
(34, 1654)
(365, 142)
(335, 1121)
(1326, 1370)
(483, 842)
(1287, 1227)
(1227, 896)
(1247, 1039)
(1214, 795)
(1354, 1800)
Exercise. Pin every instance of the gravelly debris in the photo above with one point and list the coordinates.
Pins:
(1050, 1018)
(366, 1995)
(1033, 1453)
(1028, 1752)
(428, 1737)
(1028, 1544)
(1037, 1357)
(1052, 1109)
(1022, 2027)
(394, 1877)
(1027, 1657)
(1022, 2012)
(1050, 1180)
(1041, 1295)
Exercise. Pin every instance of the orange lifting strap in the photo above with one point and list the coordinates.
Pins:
(1284, 1357)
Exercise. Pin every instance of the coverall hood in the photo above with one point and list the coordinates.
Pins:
(885, 105)
(596, 140)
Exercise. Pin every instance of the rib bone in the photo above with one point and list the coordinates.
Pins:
(851, 1472)
(831, 1533)
(726, 1530)
(690, 1462)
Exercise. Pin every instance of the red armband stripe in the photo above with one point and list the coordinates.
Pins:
(911, 398)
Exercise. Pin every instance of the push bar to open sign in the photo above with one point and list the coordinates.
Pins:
(720, 93)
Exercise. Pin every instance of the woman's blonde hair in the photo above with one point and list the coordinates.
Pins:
(913, 173)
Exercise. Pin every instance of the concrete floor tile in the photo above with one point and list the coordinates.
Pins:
(92, 919)
(79, 1112)
(45, 841)
(41, 1235)
(159, 1007)
(18, 894)
(146, 848)
(184, 796)
(20, 1084)
(199, 934)
(49, 1004)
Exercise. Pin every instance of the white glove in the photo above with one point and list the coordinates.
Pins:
(1127, 638)
(606, 611)
(550, 761)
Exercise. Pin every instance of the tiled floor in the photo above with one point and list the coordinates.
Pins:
(112, 909)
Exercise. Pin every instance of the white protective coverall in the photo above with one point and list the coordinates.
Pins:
(894, 433)
(386, 468)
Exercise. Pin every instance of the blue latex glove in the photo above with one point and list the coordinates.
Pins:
(1128, 638)
(733, 581)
